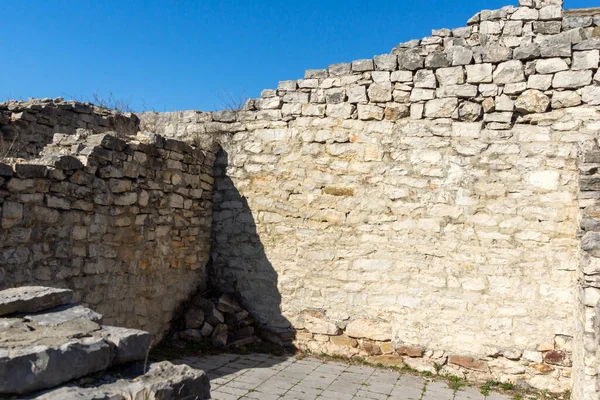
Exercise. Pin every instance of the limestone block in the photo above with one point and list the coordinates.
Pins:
(357, 94)
(401, 76)
(450, 76)
(335, 95)
(63, 313)
(380, 92)
(479, 73)
(585, 60)
(591, 95)
(469, 111)
(504, 103)
(556, 46)
(572, 79)
(128, 344)
(385, 62)
(460, 91)
(425, 79)
(340, 69)
(437, 59)
(369, 329)
(441, 108)
(545, 180)
(509, 72)
(460, 55)
(550, 11)
(29, 299)
(363, 65)
(83, 356)
(419, 94)
(540, 82)
(495, 53)
(410, 60)
(469, 363)
(532, 101)
(550, 65)
(526, 14)
(564, 99)
(370, 112)
(527, 52)
(380, 76)
(341, 111)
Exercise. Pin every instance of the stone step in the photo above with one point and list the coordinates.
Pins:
(60, 314)
(38, 367)
(129, 345)
(29, 299)
(41, 353)
(163, 380)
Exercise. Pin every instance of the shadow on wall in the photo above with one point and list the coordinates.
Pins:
(239, 263)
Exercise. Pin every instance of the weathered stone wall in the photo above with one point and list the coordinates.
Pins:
(26, 127)
(125, 224)
(422, 205)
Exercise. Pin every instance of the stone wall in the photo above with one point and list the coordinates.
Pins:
(421, 206)
(26, 127)
(125, 224)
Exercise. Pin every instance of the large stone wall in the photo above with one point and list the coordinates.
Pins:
(123, 223)
(422, 205)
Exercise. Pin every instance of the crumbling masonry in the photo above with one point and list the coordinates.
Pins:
(436, 206)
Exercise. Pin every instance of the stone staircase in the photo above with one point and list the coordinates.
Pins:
(46, 341)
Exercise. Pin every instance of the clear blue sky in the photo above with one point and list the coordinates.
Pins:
(184, 54)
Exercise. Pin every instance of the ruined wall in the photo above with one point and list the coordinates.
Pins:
(125, 224)
(422, 205)
(27, 126)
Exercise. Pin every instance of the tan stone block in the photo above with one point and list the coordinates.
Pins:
(469, 363)
(344, 340)
(542, 368)
(316, 322)
(321, 338)
(410, 351)
(370, 348)
(369, 329)
(386, 347)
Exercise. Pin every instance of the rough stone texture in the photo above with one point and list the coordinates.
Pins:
(61, 344)
(128, 344)
(26, 127)
(127, 229)
(58, 315)
(82, 356)
(457, 228)
(163, 381)
(32, 299)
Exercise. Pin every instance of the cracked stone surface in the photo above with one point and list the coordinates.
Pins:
(267, 377)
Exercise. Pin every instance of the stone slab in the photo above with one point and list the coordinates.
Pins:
(40, 367)
(32, 299)
(58, 315)
(129, 344)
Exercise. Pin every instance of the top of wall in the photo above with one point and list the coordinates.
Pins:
(504, 65)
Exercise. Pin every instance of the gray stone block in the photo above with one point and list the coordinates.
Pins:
(53, 364)
(32, 299)
(129, 344)
(58, 315)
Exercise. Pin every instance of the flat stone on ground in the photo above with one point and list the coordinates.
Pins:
(60, 314)
(27, 299)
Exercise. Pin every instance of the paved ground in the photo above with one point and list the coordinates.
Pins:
(266, 377)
